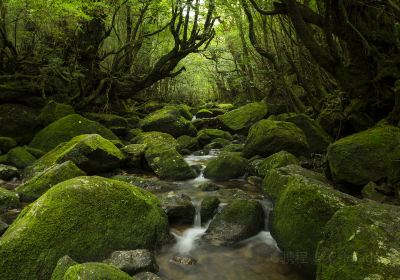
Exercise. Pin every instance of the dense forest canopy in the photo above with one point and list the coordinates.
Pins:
(316, 56)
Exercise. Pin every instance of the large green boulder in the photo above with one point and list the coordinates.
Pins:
(361, 242)
(188, 143)
(226, 166)
(156, 138)
(54, 111)
(300, 215)
(168, 120)
(269, 137)
(279, 159)
(275, 180)
(86, 218)
(18, 122)
(239, 220)
(20, 157)
(91, 153)
(67, 128)
(39, 184)
(61, 267)
(205, 136)
(95, 271)
(371, 155)
(8, 200)
(317, 138)
(240, 119)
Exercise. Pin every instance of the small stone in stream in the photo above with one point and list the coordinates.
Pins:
(209, 187)
(184, 260)
(134, 261)
(3, 227)
(209, 207)
(147, 276)
(8, 172)
(178, 207)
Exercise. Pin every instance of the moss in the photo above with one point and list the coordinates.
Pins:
(156, 139)
(37, 153)
(371, 155)
(18, 122)
(226, 106)
(240, 119)
(168, 120)
(233, 148)
(108, 120)
(300, 215)
(361, 242)
(276, 160)
(6, 144)
(8, 200)
(276, 179)
(54, 111)
(67, 128)
(39, 184)
(8, 172)
(226, 166)
(86, 218)
(91, 153)
(20, 157)
(95, 271)
(317, 138)
(204, 113)
(205, 136)
(268, 137)
(187, 142)
(208, 208)
(62, 266)
(135, 155)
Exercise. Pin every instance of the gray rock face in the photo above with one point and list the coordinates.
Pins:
(179, 208)
(147, 276)
(8, 172)
(133, 262)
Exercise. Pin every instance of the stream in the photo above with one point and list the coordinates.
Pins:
(255, 258)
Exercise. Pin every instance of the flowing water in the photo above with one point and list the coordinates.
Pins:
(257, 258)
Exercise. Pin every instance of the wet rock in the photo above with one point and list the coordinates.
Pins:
(300, 214)
(95, 271)
(20, 157)
(66, 128)
(91, 153)
(133, 261)
(226, 166)
(147, 276)
(276, 160)
(179, 208)
(209, 187)
(237, 221)
(183, 260)
(240, 119)
(268, 137)
(54, 111)
(197, 169)
(8, 200)
(80, 216)
(361, 242)
(6, 144)
(208, 208)
(40, 183)
(206, 136)
(8, 172)
(368, 156)
(61, 267)
(152, 185)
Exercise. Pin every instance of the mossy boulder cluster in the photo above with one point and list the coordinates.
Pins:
(86, 218)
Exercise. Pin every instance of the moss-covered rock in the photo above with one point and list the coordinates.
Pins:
(186, 142)
(226, 166)
(237, 221)
(204, 113)
(133, 261)
(268, 137)
(54, 111)
(134, 154)
(95, 271)
(6, 144)
(39, 184)
(208, 208)
(61, 267)
(20, 157)
(8, 172)
(317, 138)
(67, 128)
(86, 218)
(168, 120)
(300, 214)
(91, 153)
(276, 160)
(361, 242)
(108, 120)
(205, 136)
(18, 122)
(235, 148)
(371, 155)
(8, 200)
(179, 208)
(240, 119)
(152, 185)
(276, 179)
(156, 139)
